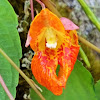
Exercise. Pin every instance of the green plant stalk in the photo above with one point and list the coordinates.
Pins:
(90, 14)
(84, 57)
(5, 88)
(22, 74)
(54, 10)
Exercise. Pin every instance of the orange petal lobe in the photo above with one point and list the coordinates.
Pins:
(44, 65)
(43, 20)
(44, 72)
(45, 62)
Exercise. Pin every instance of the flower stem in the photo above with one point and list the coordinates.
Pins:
(5, 88)
(22, 74)
(42, 4)
(90, 14)
(54, 10)
(32, 10)
(89, 44)
(84, 57)
(51, 7)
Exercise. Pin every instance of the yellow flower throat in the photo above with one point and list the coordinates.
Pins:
(50, 38)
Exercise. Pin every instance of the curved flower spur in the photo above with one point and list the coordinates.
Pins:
(55, 42)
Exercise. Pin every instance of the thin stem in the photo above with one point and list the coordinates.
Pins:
(22, 74)
(5, 88)
(54, 10)
(90, 14)
(36, 86)
(42, 4)
(32, 10)
(84, 57)
(89, 44)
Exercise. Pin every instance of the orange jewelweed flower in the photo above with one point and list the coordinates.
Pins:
(54, 42)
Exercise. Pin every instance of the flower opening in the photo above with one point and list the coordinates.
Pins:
(53, 45)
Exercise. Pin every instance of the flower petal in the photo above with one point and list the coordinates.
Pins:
(67, 56)
(40, 23)
(44, 65)
(44, 71)
(73, 36)
(68, 24)
(28, 40)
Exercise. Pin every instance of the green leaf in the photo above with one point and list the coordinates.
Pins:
(97, 89)
(80, 86)
(10, 43)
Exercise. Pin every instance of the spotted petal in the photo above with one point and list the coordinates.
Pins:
(44, 70)
(44, 65)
